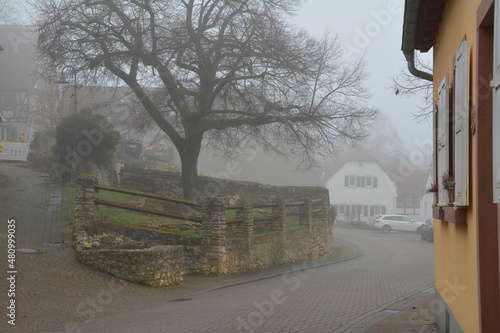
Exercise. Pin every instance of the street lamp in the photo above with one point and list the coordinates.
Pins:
(62, 80)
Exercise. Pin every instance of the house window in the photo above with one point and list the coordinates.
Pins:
(352, 181)
(4, 133)
(359, 210)
(8, 102)
(377, 210)
(340, 209)
(461, 124)
(453, 129)
(370, 181)
(401, 200)
(353, 211)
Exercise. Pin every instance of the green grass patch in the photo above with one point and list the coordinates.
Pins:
(115, 196)
(292, 222)
(124, 216)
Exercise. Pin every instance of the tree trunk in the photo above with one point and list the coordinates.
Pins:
(189, 162)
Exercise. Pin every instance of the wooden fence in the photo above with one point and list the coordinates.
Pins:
(306, 210)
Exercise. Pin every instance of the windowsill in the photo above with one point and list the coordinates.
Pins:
(450, 214)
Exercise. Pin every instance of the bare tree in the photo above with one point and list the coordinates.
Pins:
(232, 73)
(10, 11)
(385, 144)
(406, 84)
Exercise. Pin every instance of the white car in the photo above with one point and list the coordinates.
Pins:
(398, 223)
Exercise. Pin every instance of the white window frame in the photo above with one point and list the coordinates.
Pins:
(369, 181)
(353, 183)
(443, 136)
(341, 212)
(461, 115)
(378, 210)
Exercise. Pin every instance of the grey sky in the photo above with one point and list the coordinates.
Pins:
(373, 28)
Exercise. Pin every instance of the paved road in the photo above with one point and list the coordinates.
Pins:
(57, 294)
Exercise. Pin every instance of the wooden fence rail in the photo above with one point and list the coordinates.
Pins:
(305, 208)
(148, 195)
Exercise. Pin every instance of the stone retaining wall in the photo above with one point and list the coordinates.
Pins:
(277, 248)
(169, 256)
(158, 266)
(169, 183)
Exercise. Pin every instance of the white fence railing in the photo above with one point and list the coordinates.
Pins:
(14, 152)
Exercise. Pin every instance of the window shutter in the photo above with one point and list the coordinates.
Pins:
(346, 181)
(495, 84)
(462, 125)
(358, 181)
(365, 211)
(363, 181)
(371, 211)
(443, 136)
(375, 181)
(383, 210)
(434, 173)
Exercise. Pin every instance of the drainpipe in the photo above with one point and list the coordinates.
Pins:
(412, 8)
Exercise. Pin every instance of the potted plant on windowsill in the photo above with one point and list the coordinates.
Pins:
(434, 188)
(448, 182)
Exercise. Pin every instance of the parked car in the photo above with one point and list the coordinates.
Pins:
(398, 223)
(427, 233)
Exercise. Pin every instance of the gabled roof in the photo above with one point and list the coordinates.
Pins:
(353, 155)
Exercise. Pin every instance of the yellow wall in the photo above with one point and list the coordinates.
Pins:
(455, 250)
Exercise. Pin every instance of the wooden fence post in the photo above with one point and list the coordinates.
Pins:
(213, 237)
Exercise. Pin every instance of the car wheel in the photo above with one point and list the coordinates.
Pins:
(386, 228)
(419, 230)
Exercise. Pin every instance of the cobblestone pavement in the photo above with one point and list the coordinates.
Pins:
(387, 288)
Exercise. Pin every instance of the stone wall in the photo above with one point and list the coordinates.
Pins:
(158, 266)
(277, 248)
(167, 257)
(169, 183)
(191, 247)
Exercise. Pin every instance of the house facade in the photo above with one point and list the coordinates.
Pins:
(360, 189)
(16, 87)
(465, 37)
(411, 191)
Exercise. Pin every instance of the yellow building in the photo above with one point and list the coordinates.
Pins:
(464, 35)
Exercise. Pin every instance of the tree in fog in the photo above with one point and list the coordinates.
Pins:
(231, 73)
(385, 144)
(10, 11)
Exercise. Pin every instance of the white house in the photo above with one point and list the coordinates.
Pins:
(17, 62)
(360, 189)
